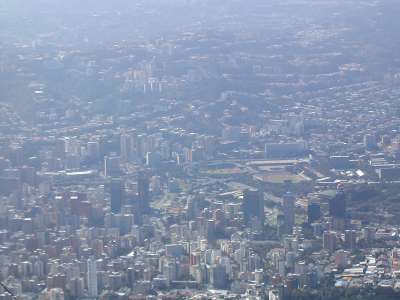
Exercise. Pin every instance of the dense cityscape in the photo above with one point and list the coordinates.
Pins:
(189, 149)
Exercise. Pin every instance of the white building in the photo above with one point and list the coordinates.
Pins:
(92, 277)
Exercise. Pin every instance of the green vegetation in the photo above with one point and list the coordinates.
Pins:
(375, 203)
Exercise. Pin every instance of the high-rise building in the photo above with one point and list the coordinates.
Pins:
(329, 241)
(59, 148)
(217, 276)
(72, 145)
(313, 212)
(191, 207)
(337, 205)
(253, 206)
(117, 190)
(369, 141)
(143, 193)
(112, 166)
(93, 151)
(386, 140)
(153, 159)
(76, 287)
(92, 277)
(280, 225)
(291, 283)
(288, 212)
(72, 161)
(210, 231)
(368, 234)
(126, 142)
(350, 239)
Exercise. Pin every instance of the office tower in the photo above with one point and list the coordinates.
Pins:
(313, 212)
(219, 219)
(140, 145)
(59, 148)
(112, 166)
(369, 142)
(253, 206)
(342, 258)
(72, 162)
(368, 234)
(165, 150)
(218, 276)
(28, 175)
(117, 190)
(93, 151)
(329, 241)
(92, 277)
(191, 207)
(188, 155)
(210, 231)
(290, 260)
(76, 287)
(153, 159)
(350, 239)
(386, 140)
(143, 193)
(288, 212)
(310, 280)
(337, 205)
(168, 267)
(280, 225)
(72, 146)
(291, 283)
(126, 146)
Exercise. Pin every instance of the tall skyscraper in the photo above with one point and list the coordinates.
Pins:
(369, 142)
(313, 212)
(92, 277)
(329, 241)
(350, 239)
(143, 193)
(288, 212)
(125, 146)
(191, 207)
(253, 206)
(280, 224)
(93, 151)
(112, 166)
(218, 276)
(117, 194)
(337, 205)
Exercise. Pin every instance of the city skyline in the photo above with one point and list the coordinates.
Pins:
(199, 149)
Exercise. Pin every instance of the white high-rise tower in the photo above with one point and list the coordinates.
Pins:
(92, 277)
